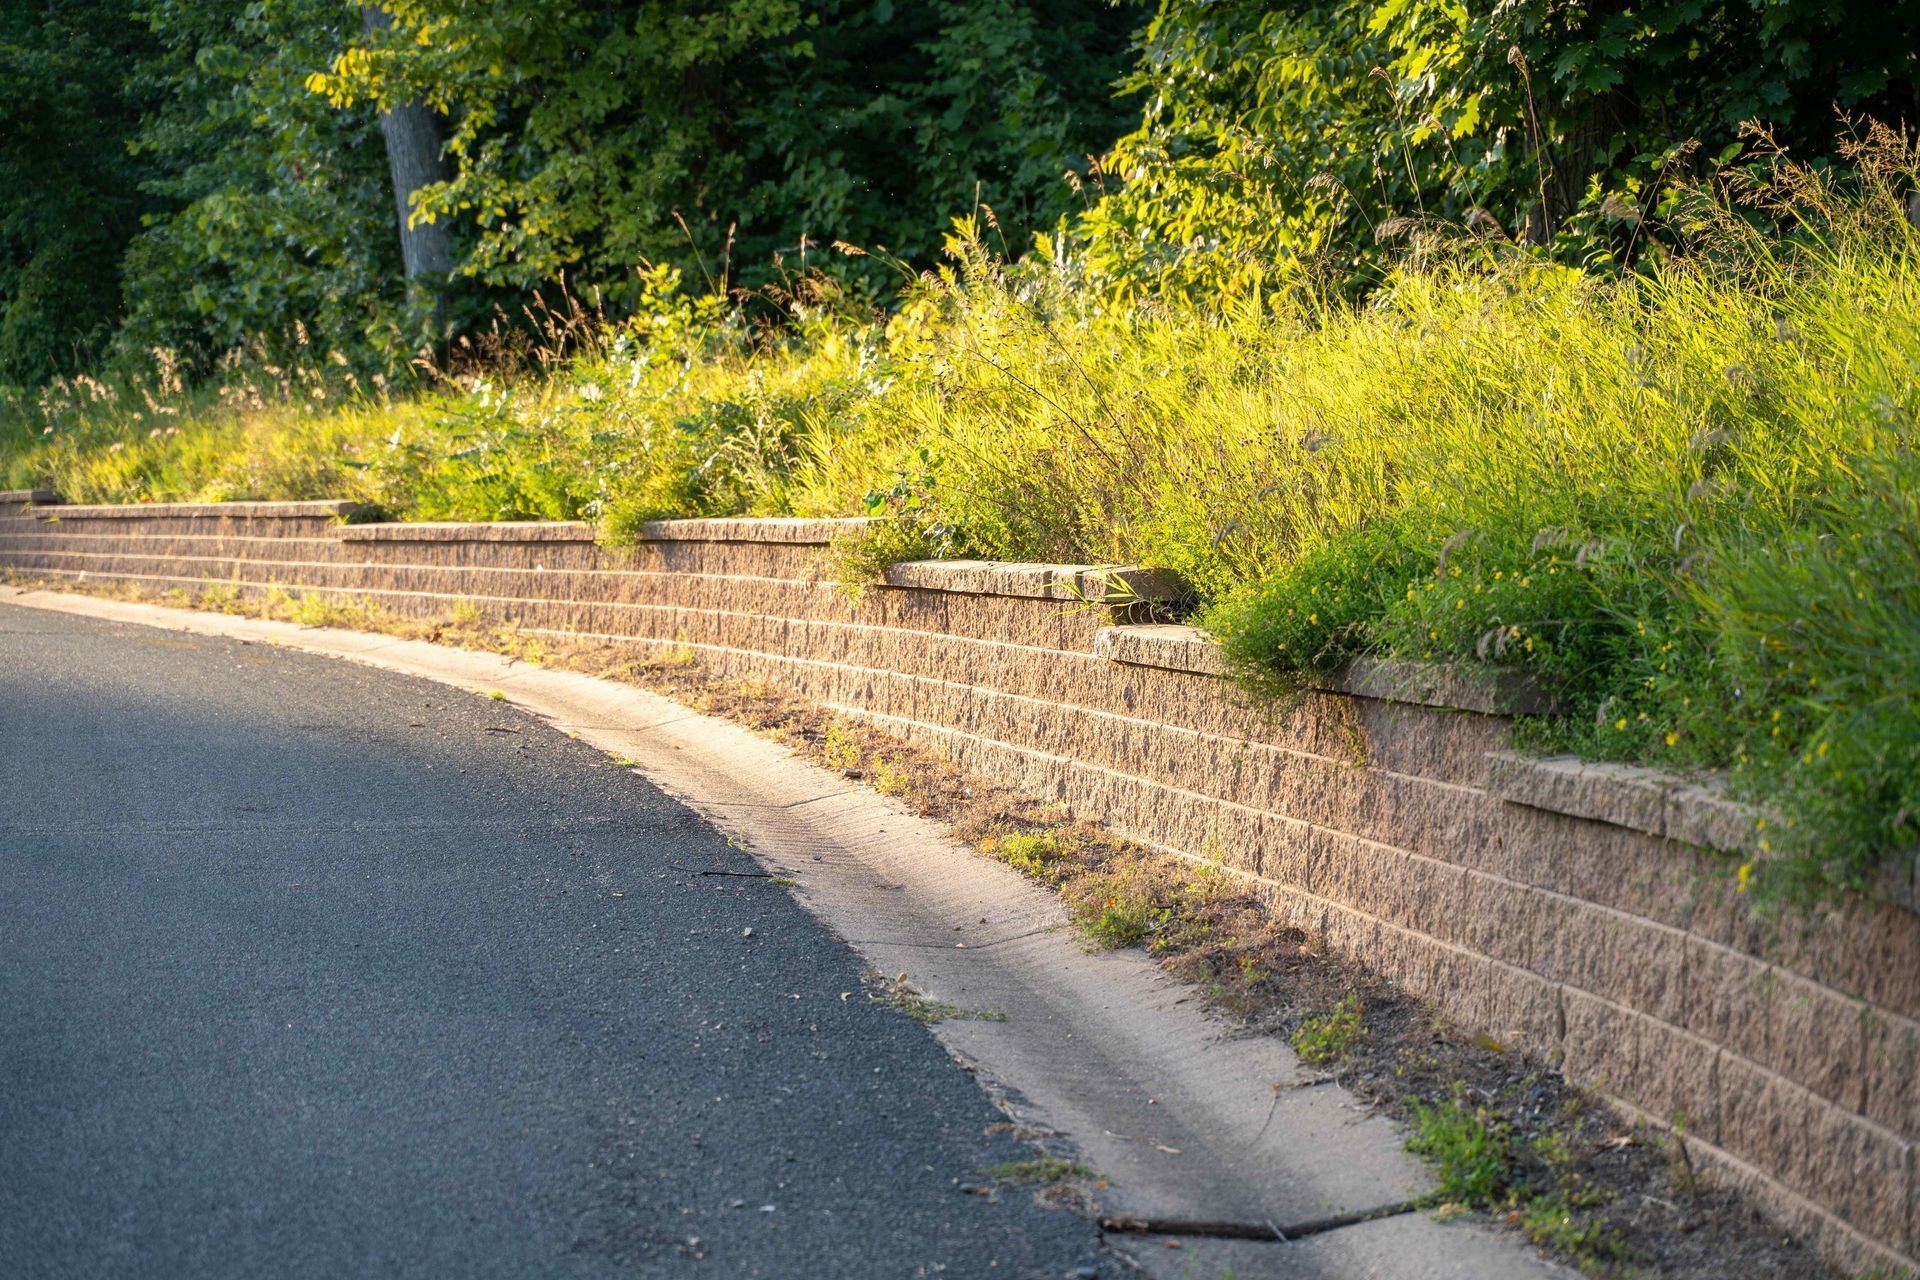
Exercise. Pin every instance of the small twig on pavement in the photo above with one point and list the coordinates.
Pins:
(738, 875)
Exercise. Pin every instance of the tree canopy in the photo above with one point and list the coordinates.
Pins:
(1272, 134)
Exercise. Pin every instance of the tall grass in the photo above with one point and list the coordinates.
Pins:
(1686, 499)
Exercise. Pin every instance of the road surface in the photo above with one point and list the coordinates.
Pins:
(308, 969)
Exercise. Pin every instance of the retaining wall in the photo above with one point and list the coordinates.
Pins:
(1566, 909)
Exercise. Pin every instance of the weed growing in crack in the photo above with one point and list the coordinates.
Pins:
(927, 1011)
(1038, 1172)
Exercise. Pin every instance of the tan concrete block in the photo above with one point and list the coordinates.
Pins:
(1817, 1038)
(1575, 951)
(1676, 1077)
(1600, 1047)
(1619, 795)
(1764, 1120)
(1892, 959)
(1456, 982)
(1645, 968)
(1860, 1170)
(1523, 1011)
(1892, 1072)
(1532, 848)
(1729, 997)
(1499, 918)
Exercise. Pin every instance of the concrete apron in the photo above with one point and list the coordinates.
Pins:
(1202, 1134)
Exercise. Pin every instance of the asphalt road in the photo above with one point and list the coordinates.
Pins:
(311, 970)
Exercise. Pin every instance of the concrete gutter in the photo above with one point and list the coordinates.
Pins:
(1185, 1120)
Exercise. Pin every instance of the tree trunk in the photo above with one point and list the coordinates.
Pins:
(413, 156)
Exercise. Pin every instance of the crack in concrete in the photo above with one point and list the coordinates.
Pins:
(1218, 1230)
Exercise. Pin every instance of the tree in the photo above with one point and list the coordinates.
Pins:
(592, 137)
(414, 156)
(1277, 135)
(277, 224)
(70, 196)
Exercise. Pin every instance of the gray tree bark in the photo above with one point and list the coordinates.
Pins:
(413, 156)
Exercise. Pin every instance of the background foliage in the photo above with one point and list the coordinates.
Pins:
(208, 176)
(72, 198)
(585, 134)
(274, 226)
(1331, 130)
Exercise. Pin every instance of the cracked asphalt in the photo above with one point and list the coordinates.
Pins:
(313, 970)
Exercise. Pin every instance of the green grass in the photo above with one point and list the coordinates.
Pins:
(1689, 501)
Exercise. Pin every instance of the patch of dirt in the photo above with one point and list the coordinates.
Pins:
(1613, 1197)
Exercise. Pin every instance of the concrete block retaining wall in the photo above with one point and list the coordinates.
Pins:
(1563, 908)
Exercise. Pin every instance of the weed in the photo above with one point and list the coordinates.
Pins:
(1162, 904)
(889, 780)
(855, 562)
(220, 598)
(1326, 1039)
(497, 695)
(1043, 855)
(1472, 1149)
(1118, 919)
(841, 748)
(318, 609)
(1042, 1171)
(1477, 1157)
(1554, 1221)
(898, 995)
